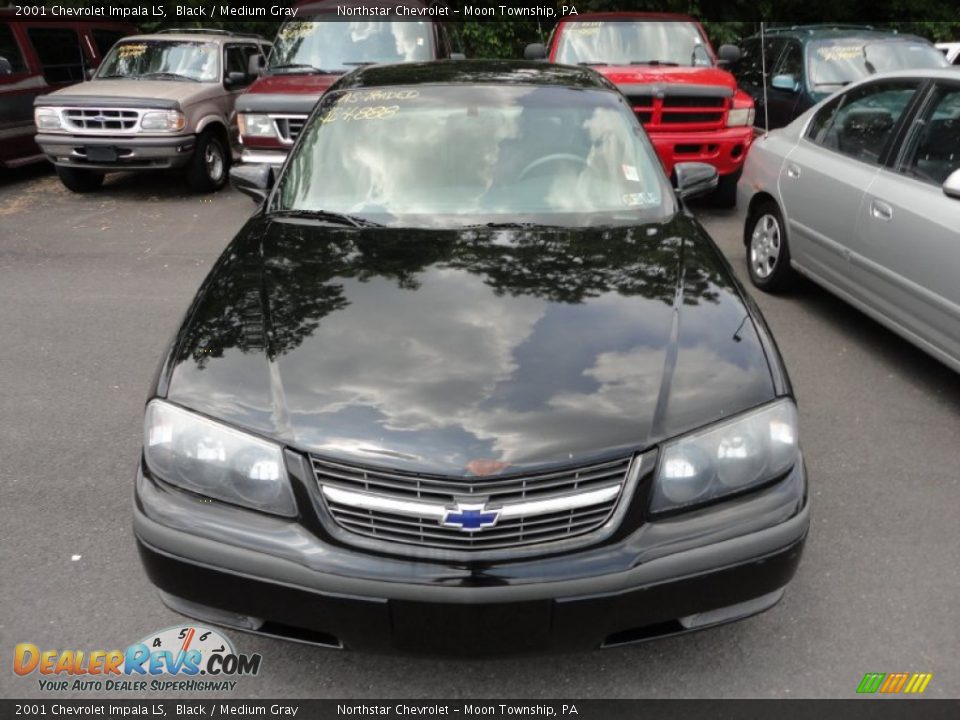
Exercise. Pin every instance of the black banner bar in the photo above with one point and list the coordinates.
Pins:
(856, 709)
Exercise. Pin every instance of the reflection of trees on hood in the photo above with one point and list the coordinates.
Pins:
(273, 304)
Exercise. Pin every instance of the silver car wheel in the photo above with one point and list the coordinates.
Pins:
(213, 157)
(765, 246)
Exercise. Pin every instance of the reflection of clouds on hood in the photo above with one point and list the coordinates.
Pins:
(437, 379)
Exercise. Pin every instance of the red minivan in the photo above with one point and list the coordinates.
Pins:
(38, 56)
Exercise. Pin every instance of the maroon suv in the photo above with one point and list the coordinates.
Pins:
(313, 51)
(38, 56)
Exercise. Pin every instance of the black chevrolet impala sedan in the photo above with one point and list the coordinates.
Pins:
(471, 380)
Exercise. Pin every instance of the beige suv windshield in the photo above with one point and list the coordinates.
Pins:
(162, 60)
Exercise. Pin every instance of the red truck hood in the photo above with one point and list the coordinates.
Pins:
(293, 84)
(652, 74)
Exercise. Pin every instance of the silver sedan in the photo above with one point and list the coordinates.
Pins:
(861, 194)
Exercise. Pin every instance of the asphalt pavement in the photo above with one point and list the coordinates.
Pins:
(92, 288)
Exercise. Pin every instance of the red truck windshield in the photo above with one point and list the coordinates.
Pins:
(342, 46)
(637, 42)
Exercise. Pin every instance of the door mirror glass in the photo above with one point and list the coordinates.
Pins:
(695, 179)
(951, 186)
(255, 181)
(785, 82)
(728, 54)
(535, 51)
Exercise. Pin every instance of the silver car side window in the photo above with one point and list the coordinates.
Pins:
(861, 122)
(933, 151)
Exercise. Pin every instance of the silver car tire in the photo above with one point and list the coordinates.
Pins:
(768, 251)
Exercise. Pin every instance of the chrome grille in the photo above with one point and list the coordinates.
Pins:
(289, 126)
(104, 119)
(360, 498)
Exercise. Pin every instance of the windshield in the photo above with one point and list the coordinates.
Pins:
(342, 46)
(632, 42)
(840, 62)
(446, 156)
(163, 60)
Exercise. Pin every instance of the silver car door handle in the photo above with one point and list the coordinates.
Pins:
(880, 210)
(793, 171)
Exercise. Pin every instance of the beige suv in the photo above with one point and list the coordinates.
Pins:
(157, 102)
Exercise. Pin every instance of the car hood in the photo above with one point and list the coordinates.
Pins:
(293, 83)
(666, 75)
(425, 350)
(177, 90)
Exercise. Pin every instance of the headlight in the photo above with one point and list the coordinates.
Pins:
(206, 457)
(47, 119)
(256, 125)
(745, 452)
(740, 116)
(168, 120)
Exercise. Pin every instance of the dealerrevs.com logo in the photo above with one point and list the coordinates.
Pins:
(182, 658)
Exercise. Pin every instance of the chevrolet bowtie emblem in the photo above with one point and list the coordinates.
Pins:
(481, 467)
(470, 517)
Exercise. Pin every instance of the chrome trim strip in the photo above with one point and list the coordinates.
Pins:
(438, 512)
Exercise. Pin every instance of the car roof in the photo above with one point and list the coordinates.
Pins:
(628, 15)
(475, 72)
(810, 33)
(193, 37)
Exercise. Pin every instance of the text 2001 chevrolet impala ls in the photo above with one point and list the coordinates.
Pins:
(471, 380)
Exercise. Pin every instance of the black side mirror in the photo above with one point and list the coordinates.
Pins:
(235, 79)
(951, 186)
(695, 179)
(535, 51)
(255, 181)
(255, 66)
(728, 54)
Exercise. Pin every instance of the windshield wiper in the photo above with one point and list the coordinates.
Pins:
(654, 62)
(328, 217)
(116, 77)
(363, 63)
(593, 62)
(178, 76)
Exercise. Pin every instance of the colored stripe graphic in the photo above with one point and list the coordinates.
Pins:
(893, 683)
(871, 683)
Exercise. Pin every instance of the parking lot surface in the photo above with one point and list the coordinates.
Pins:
(91, 290)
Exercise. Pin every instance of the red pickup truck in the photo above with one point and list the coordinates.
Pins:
(664, 64)
(311, 52)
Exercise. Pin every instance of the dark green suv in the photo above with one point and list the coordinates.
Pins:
(802, 65)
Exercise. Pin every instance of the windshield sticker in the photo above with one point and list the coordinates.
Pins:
(630, 173)
(362, 96)
(836, 52)
(131, 50)
(643, 199)
(367, 112)
(295, 30)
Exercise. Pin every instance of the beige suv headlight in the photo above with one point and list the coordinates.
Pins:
(47, 118)
(166, 121)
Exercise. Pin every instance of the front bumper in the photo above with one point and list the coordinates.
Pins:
(243, 569)
(725, 149)
(131, 153)
(253, 156)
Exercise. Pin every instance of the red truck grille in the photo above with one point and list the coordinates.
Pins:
(680, 112)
